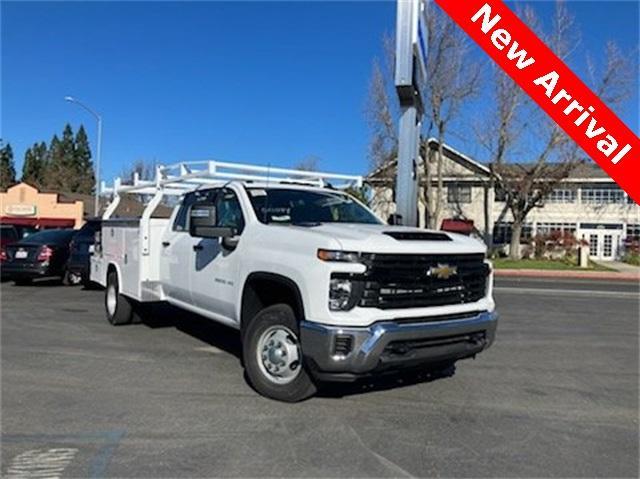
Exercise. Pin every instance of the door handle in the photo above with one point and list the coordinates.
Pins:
(197, 247)
(165, 243)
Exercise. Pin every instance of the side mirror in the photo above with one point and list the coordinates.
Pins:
(202, 223)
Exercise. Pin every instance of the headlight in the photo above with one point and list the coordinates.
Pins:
(340, 291)
(342, 256)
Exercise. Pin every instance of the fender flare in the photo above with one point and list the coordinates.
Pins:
(275, 277)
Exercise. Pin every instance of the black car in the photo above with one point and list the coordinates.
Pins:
(40, 255)
(78, 266)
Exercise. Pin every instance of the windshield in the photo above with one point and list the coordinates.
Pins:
(307, 208)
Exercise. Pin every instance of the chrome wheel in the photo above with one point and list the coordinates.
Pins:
(112, 299)
(279, 355)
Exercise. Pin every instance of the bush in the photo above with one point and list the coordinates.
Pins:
(632, 252)
(633, 259)
(556, 245)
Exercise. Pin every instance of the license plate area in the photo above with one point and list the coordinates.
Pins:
(21, 254)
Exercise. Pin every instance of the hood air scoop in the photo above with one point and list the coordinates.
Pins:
(417, 236)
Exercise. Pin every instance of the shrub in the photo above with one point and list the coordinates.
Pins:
(556, 245)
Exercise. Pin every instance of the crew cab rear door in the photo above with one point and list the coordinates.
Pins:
(177, 254)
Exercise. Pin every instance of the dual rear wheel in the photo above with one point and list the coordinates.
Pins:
(120, 309)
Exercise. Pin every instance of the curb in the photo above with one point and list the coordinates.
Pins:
(537, 273)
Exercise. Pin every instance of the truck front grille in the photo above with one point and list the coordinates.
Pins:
(413, 281)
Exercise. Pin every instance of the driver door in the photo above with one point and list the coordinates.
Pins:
(215, 264)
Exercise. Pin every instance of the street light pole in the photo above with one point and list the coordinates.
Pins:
(96, 204)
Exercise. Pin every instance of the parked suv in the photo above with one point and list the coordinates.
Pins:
(81, 248)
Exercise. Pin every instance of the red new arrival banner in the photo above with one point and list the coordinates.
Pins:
(553, 86)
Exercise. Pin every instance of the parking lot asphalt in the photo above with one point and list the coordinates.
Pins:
(556, 395)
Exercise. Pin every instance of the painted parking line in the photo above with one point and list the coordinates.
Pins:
(570, 292)
(41, 463)
(45, 462)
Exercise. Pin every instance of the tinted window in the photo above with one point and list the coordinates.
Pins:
(89, 229)
(181, 221)
(9, 233)
(50, 236)
(284, 206)
(229, 212)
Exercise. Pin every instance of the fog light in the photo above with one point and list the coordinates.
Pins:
(340, 294)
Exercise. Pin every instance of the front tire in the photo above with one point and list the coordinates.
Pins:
(273, 357)
(118, 307)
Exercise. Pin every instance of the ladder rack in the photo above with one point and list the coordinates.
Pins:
(183, 177)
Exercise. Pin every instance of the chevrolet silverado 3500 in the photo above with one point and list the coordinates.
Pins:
(319, 288)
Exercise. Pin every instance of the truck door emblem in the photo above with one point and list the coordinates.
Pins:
(442, 271)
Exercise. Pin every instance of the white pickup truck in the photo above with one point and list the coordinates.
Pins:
(319, 288)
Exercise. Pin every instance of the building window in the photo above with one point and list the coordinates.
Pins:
(499, 194)
(502, 233)
(562, 196)
(458, 194)
(600, 195)
(547, 228)
(633, 232)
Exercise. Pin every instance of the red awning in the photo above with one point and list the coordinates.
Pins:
(457, 226)
(42, 222)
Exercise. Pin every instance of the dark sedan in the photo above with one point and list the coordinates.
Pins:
(40, 255)
(80, 253)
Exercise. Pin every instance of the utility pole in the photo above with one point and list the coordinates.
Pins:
(96, 202)
(410, 74)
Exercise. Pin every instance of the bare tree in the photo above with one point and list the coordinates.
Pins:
(453, 77)
(519, 130)
(146, 170)
(308, 163)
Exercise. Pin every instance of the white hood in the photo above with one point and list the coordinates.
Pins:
(369, 238)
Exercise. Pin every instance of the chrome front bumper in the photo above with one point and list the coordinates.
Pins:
(391, 345)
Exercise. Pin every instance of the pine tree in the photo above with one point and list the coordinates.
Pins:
(55, 167)
(63, 172)
(85, 179)
(7, 168)
(35, 164)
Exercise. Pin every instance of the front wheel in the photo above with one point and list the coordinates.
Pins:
(273, 356)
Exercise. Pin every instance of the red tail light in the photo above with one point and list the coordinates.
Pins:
(3, 255)
(45, 254)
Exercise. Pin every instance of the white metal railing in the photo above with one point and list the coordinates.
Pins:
(178, 179)
(186, 176)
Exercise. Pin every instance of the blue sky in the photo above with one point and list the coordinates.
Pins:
(265, 83)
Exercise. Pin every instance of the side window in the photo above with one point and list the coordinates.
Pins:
(180, 223)
(229, 212)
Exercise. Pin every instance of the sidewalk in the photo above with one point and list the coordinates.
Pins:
(625, 272)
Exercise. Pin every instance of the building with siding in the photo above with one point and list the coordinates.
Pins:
(588, 204)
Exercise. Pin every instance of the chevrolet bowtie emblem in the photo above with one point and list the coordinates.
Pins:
(442, 271)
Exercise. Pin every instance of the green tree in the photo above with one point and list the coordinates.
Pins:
(54, 164)
(7, 168)
(35, 165)
(62, 167)
(85, 178)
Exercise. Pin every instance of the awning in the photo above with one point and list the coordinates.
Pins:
(41, 222)
(464, 227)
